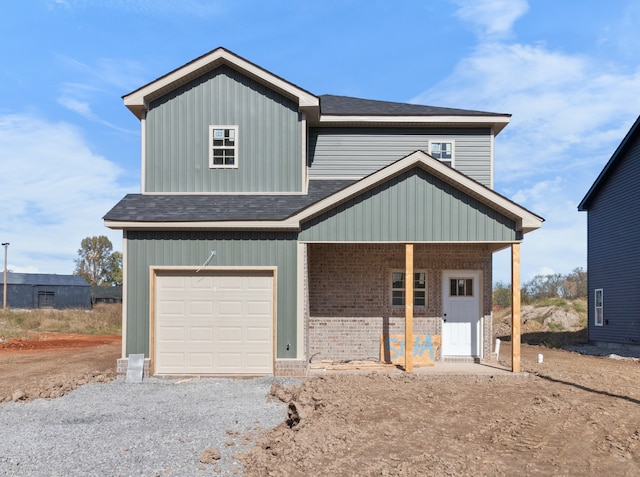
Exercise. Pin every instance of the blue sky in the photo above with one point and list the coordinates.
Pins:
(567, 71)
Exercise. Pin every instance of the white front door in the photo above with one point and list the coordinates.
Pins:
(461, 313)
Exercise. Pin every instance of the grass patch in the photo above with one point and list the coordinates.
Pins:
(103, 319)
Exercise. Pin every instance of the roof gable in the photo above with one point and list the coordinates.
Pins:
(632, 135)
(138, 100)
(414, 206)
(526, 221)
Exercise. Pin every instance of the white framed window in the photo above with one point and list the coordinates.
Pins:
(223, 147)
(443, 150)
(398, 287)
(599, 307)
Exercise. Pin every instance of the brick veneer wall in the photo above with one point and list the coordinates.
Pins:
(349, 297)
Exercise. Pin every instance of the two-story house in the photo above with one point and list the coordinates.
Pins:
(276, 228)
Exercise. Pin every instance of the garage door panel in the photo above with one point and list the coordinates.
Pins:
(200, 282)
(171, 334)
(171, 307)
(204, 308)
(229, 284)
(200, 360)
(230, 308)
(172, 283)
(256, 284)
(256, 359)
(229, 335)
(214, 324)
(175, 360)
(259, 308)
(230, 360)
(201, 334)
(256, 334)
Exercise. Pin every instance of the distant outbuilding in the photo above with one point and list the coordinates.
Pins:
(39, 290)
(106, 294)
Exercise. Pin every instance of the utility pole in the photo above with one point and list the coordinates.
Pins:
(4, 281)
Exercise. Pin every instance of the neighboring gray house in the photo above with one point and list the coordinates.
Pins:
(613, 248)
(276, 228)
(39, 290)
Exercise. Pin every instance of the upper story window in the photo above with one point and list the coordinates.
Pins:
(443, 150)
(419, 288)
(223, 146)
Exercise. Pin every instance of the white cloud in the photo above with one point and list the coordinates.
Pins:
(81, 107)
(492, 18)
(54, 192)
(569, 112)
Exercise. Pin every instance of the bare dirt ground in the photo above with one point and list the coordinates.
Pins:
(52, 364)
(570, 415)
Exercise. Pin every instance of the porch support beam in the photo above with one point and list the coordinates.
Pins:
(408, 312)
(515, 307)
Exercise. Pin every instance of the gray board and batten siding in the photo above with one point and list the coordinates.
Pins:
(433, 211)
(177, 137)
(358, 152)
(613, 249)
(191, 249)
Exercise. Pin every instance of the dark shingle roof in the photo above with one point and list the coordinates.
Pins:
(44, 279)
(217, 208)
(617, 156)
(348, 106)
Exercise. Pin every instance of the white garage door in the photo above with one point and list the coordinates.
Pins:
(214, 323)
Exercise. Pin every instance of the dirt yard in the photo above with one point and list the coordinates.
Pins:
(570, 415)
(54, 364)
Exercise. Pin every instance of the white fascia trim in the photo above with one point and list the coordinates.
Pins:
(526, 221)
(225, 193)
(138, 100)
(286, 225)
(502, 121)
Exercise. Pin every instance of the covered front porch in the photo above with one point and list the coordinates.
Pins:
(356, 297)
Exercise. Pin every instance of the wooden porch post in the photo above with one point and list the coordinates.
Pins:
(408, 304)
(515, 307)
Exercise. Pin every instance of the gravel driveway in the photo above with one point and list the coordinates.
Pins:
(158, 428)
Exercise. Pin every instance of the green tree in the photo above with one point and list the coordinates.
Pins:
(575, 285)
(97, 263)
(502, 294)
